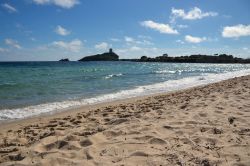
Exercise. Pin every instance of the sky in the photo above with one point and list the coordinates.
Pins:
(48, 30)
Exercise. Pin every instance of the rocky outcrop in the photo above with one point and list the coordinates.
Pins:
(64, 60)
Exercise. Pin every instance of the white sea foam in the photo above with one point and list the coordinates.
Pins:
(19, 113)
(167, 71)
(113, 75)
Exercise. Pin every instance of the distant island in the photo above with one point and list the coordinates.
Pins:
(64, 60)
(107, 56)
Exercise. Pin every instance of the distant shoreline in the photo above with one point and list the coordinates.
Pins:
(197, 58)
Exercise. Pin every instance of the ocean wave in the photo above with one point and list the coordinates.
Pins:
(167, 71)
(170, 85)
(7, 84)
(184, 71)
(113, 75)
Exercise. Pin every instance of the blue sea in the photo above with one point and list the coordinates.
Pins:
(33, 88)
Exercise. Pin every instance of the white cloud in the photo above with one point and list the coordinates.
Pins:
(162, 28)
(73, 46)
(9, 8)
(3, 50)
(66, 3)
(193, 14)
(62, 31)
(61, 3)
(192, 39)
(236, 31)
(130, 40)
(12, 43)
(42, 2)
(102, 46)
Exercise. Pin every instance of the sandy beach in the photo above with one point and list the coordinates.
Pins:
(205, 125)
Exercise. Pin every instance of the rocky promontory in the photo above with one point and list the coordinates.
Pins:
(107, 56)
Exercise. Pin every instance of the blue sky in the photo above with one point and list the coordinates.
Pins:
(54, 29)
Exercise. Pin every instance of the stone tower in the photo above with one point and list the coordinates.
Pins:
(110, 50)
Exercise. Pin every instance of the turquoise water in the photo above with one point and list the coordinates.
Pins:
(31, 88)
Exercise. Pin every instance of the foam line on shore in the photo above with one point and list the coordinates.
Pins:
(170, 85)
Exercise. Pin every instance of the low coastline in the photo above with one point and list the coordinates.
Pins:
(190, 126)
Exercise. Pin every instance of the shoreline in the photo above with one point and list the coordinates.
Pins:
(206, 120)
(168, 86)
(91, 106)
(51, 115)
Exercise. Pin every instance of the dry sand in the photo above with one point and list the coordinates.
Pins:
(205, 125)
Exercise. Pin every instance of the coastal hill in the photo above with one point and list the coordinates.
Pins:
(107, 56)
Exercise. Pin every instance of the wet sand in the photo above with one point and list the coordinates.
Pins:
(205, 125)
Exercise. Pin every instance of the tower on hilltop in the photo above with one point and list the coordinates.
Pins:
(110, 50)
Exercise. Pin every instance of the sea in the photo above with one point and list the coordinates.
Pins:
(33, 88)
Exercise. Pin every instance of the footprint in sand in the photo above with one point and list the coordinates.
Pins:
(157, 141)
(202, 114)
(168, 127)
(140, 154)
(85, 143)
(143, 138)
